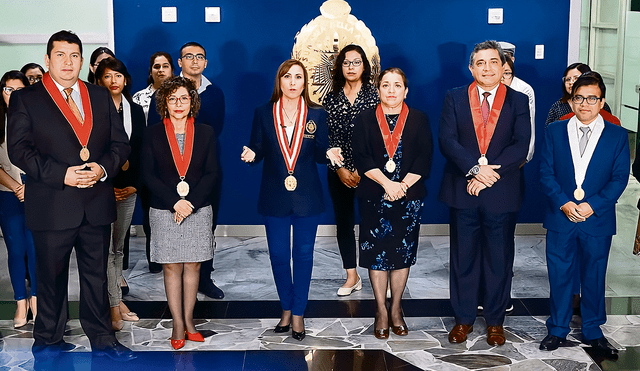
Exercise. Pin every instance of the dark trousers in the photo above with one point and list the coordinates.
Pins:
(568, 253)
(482, 246)
(53, 251)
(343, 199)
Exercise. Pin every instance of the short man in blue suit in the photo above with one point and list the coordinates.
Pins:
(485, 130)
(584, 169)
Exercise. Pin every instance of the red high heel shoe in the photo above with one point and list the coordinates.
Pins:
(177, 343)
(196, 336)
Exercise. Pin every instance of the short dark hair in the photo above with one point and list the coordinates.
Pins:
(282, 70)
(168, 87)
(64, 36)
(338, 77)
(30, 66)
(11, 75)
(193, 43)
(92, 60)
(114, 65)
(393, 70)
(574, 66)
(485, 45)
(589, 78)
(152, 61)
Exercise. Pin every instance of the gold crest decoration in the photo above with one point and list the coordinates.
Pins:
(319, 41)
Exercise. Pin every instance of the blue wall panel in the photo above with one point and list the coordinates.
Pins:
(429, 40)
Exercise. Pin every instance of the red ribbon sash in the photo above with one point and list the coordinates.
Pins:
(82, 130)
(290, 152)
(181, 161)
(391, 141)
(484, 133)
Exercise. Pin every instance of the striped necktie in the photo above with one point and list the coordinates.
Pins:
(72, 105)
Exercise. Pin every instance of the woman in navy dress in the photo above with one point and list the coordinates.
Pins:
(290, 134)
(391, 193)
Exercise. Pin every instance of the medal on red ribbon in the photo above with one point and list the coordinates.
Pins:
(183, 160)
(391, 141)
(82, 130)
(291, 151)
(484, 132)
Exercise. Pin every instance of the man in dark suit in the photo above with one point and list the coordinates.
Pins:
(68, 138)
(584, 169)
(484, 135)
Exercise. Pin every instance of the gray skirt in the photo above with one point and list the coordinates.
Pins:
(189, 242)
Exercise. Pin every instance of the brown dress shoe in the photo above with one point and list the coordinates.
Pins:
(495, 335)
(459, 333)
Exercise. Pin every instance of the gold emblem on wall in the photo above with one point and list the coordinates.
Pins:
(319, 41)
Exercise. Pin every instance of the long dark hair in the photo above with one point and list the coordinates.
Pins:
(115, 64)
(282, 70)
(94, 56)
(580, 67)
(338, 77)
(11, 75)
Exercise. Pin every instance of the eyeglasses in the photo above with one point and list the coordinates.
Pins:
(190, 57)
(174, 100)
(355, 63)
(34, 79)
(8, 90)
(592, 100)
(507, 74)
(570, 79)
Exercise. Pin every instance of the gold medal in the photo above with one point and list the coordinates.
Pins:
(290, 183)
(390, 166)
(84, 154)
(483, 160)
(125, 167)
(578, 194)
(182, 188)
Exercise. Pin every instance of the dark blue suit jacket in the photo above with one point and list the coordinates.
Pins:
(508, 148)
(274, 199)
(607, 177)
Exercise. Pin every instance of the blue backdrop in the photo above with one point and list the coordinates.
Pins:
(429, 40)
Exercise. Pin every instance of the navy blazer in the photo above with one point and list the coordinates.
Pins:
(508, 148)
(274, 199)
(43, 144)
(607, 177)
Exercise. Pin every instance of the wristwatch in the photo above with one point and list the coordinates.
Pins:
(474, 170)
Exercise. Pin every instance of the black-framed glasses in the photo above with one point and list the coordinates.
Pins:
(34, 79)
(592, 99)
(8, 90)
(355, 63)
(507, 74)
(174, 100)
(189, 57)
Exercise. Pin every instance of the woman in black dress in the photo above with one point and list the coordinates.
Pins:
(391, 192)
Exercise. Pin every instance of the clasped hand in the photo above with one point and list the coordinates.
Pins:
(183, 209)
(486, 178)
(577, 213)
(247, 154)
(83, 176)
(394, 191)
(335, 156)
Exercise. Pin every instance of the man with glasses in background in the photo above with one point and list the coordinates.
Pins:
(584, 169)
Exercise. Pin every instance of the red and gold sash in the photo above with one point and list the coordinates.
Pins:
(484, 133)
(183, 160)
(290, 152)
(82, 130)
(391, 141)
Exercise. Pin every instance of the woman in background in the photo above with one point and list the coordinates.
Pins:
(112, 74)
(392, 148)
(179, 167)
(160, 68)
(33, 71)
(17, 237)
(290, 134)
(96, 57)
(352, 93)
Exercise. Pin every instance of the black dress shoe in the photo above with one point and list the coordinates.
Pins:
(298, 335)
(280, 329)
(155, 267)
(209, 288)
(61, 346)
(551, 342)
(116, 352)
(602, 345)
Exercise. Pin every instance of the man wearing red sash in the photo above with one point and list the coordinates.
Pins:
(484, 135)
(69, 139)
